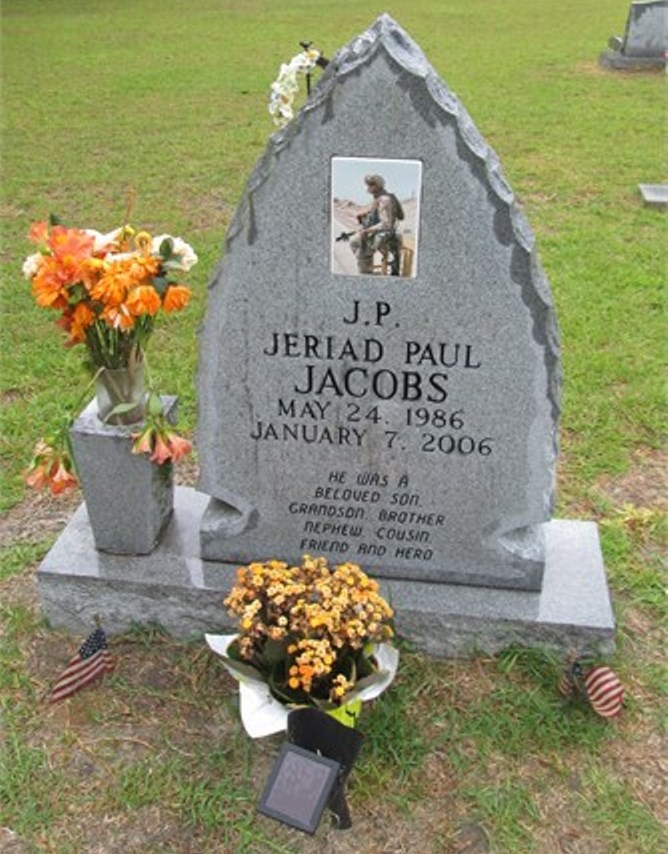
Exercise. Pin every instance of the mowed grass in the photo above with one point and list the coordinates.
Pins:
(168, 100)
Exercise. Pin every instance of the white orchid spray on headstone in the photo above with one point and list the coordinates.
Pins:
(285, 87)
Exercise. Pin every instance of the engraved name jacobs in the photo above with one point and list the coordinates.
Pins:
(353, 371)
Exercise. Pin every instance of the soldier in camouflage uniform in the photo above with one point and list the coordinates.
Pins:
(378, 231)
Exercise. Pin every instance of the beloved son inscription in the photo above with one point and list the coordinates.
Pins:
(379, 376)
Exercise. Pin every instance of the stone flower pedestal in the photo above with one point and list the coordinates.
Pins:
(129, 499)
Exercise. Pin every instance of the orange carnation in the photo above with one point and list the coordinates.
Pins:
(176, 298)
(49, 286)
(39, 232)
(70, 245)
(82, 317)
(142, 269)
(91, 271)
(143, 300)
(118, 317)
(111, 289)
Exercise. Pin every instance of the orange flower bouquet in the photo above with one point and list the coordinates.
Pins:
(107, 290)
(308, 635)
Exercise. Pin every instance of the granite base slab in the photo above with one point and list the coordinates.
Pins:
(174, 588)
(623, 62)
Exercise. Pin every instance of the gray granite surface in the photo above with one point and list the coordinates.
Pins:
(647, 29)
(654, 195)
(129, 498)
(174, 588)
(409, 424)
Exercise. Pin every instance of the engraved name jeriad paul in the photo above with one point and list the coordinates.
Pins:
(339, 382)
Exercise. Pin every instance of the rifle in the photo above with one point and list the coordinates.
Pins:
(365, 220)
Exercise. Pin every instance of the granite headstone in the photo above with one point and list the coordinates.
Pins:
(398, 409)
(388, 397)
(645, 40)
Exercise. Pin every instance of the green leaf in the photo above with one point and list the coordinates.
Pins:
(279, 691)
(365, 666)
(120, 409)
(242, 670)
(77, 294)
(154, 405)
(54, 219)
(166, 248)
(173, 263)
(160, 283)
(373, 679)
(273, 652)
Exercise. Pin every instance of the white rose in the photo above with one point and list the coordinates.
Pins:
(31, 265)
(183, 255)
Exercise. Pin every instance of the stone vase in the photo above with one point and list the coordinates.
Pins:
(129, 499)
(120, 389)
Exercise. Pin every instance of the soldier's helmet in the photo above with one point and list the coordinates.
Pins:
(375, 180)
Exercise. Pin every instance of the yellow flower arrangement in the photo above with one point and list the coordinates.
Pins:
(308, 630)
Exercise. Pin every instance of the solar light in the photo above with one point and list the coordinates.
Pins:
(299, 787)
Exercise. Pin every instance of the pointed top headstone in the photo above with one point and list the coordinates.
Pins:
(379, 377)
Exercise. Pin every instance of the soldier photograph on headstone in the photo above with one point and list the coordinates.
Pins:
(375, 235)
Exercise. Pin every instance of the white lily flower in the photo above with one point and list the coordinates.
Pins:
(111, 257)
(103, 241)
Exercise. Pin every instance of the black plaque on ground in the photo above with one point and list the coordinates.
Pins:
(299, 787)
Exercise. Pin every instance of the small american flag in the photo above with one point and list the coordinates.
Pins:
(604, 691)
(92, 661)
(565, 685)
(571, 678)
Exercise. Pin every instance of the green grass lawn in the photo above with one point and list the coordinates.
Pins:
(168, 99)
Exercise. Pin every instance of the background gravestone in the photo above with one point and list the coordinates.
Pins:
(406, 422)
(647, 29)
(645, 41)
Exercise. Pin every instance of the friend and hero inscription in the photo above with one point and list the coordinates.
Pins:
(378, 373)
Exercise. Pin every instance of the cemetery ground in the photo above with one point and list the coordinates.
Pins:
(460, 756)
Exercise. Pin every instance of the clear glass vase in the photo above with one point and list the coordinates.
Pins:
(120, 394)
